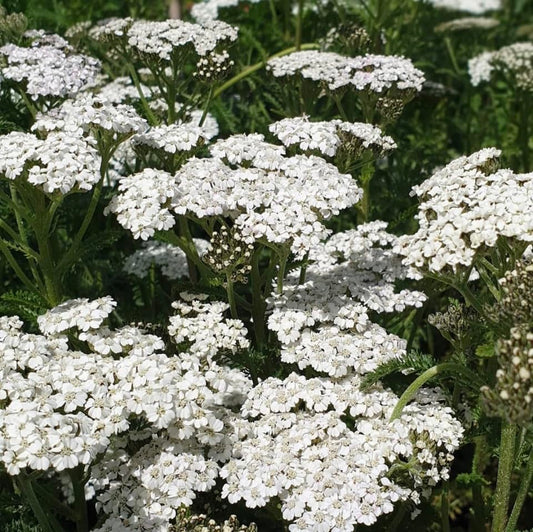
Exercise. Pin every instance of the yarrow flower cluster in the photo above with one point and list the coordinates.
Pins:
(171, 259)
(208, 10)
(329, 137)
(160, 39)
(88, 112)
(269, 196)
(471, 6)
(323, 322)
(465, 207)
(376, 73)
(327, 476)
(515, 60)
(61, 162)
(178, 137)
(48, 70)
(63, 408)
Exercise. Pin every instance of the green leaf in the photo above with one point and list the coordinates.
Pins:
(485, 351)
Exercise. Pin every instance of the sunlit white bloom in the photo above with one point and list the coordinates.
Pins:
(376, 73)
(79, 313)
(328, 137)
(465, 206)
(47, 70)
(515, 60)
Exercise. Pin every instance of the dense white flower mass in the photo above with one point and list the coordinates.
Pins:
(79, 313)
(140, 204)
(466, 206)
(171, 259)
(207, 10)
(269, 196)
(61, 162)
(161, 38)
(327, 476)
(89, 111)
(48, 70)
(62, 408)
(323, 322)
(328, 137)
(471, 6)
(515, 60)
(181, 136)
(376, 73)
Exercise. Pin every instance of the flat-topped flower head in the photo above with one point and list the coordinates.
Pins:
(280, 199)
(88, 112)
(81, 314)
(162, 39)
(515, 61)
(182, 136)
(466, 207)
(471, 6)
(46, 70)
(329, 475)
(375, 73)
(329, 137)
(59, 163)
(208, 10)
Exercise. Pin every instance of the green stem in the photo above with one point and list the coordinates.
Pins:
(478, 466)
(80, 505)
(26, 489)
(16, 267)
(31, 108)
(283, 256)
(71, 255)
(445, 508)
(149, 114)
(185, 232)
(503, 481)
(521, 496)
(340, 107)
(258, 301)
(231, 296)
(207, 103)
(254, 68)
(446, 367)
(451, 53)
(299, 17)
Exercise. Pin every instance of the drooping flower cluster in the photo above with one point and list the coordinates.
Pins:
(269, 196)
(329, 137)
(515, 60)
(376, 73)
(465, 206)
(49, 68)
